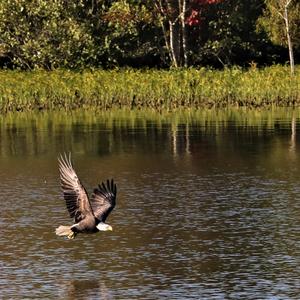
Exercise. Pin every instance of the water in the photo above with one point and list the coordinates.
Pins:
(207, 208)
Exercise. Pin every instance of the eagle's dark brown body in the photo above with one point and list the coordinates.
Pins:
(87, 225)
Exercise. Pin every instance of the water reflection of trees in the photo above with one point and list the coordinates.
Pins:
(293, 137)
(126, 132)
(86, 289)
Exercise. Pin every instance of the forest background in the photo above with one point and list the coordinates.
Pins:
(163, 33)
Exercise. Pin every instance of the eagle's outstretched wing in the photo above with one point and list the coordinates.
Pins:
(103, 200)
(75, 194)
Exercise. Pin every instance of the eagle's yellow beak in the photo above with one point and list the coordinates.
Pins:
(104, 227)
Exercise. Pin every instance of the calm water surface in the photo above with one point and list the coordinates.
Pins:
(208, 206)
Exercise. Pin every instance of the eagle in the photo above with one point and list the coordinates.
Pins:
(89, 214)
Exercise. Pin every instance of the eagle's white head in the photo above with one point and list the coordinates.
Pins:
(104, 227)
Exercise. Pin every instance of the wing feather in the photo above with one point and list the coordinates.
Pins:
(75, 195)
(103, 200)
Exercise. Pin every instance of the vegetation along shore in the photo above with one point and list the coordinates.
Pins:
(156, 89)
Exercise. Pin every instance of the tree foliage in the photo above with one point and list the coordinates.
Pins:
(94, 33)
(131, 31)
(272, 21)
(47, 34)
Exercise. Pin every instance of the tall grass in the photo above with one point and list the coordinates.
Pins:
(155, 89)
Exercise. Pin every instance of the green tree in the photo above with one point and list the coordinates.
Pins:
(226, 34)
(281, 22)
(47, 34)
(214, 32)
(132, 32)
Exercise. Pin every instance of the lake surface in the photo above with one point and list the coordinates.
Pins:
(208, 205)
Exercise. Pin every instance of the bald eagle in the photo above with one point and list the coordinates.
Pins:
(89, 214)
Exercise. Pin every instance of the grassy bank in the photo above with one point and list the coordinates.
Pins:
(190, 88)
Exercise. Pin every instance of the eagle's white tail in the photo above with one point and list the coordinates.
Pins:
(65, 231)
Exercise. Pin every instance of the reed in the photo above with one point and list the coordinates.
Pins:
(154, 89)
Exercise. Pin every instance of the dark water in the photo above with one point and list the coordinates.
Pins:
(208, 206)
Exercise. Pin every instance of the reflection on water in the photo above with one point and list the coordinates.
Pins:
(86, 289)
(207, 207)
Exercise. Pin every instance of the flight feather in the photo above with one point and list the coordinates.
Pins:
(75, 195)
(103, 200)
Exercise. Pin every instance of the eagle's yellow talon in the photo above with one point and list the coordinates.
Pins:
(71, 236)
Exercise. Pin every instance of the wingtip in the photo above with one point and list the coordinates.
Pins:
(65, 159)
(109, 187)
(113, 187)
(115, 190)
